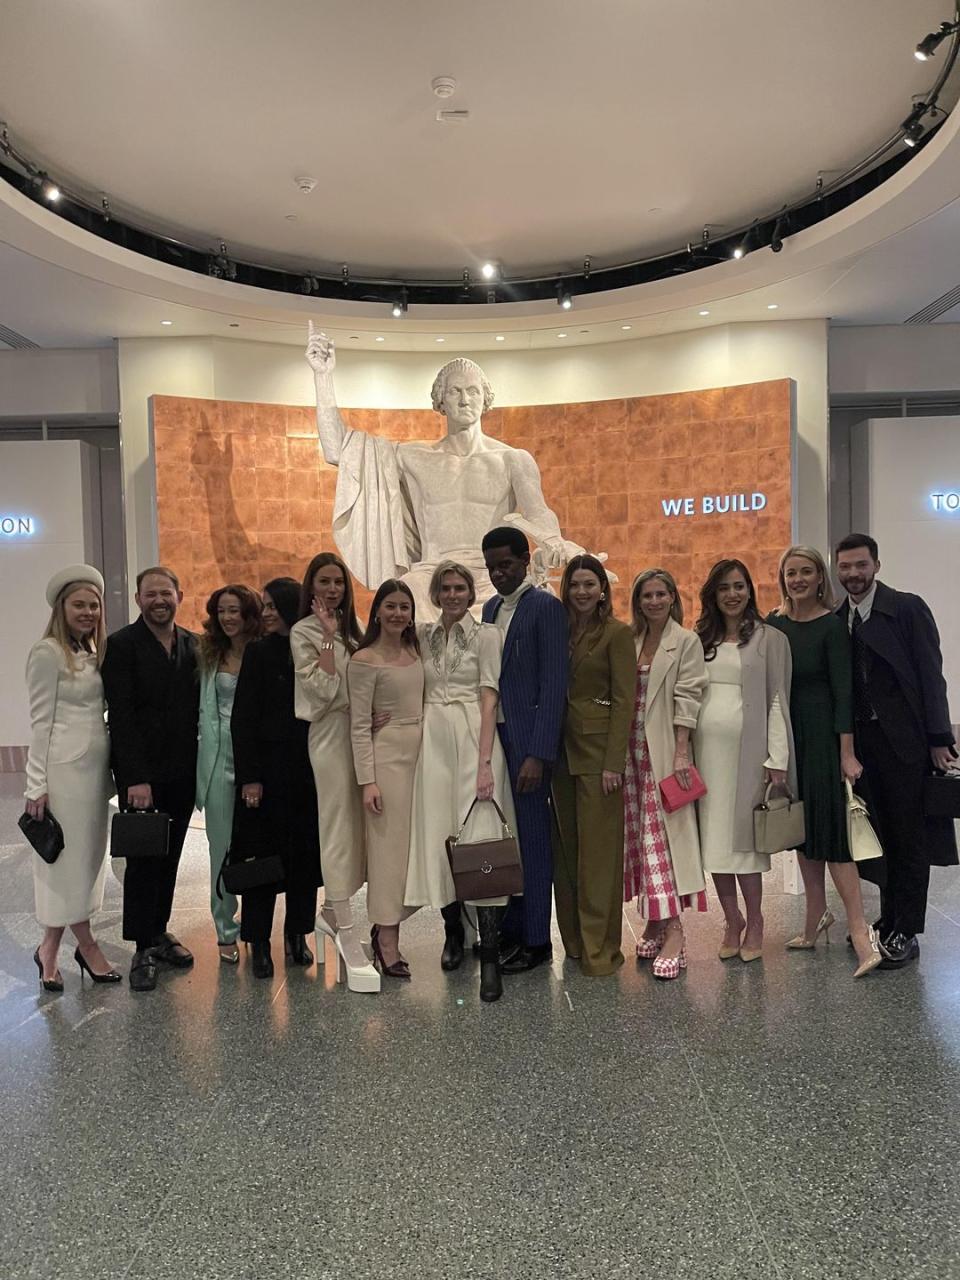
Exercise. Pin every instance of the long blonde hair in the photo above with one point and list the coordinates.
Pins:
(58, 630)
(824, 591)
(639, 622)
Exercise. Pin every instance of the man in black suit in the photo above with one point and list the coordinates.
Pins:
(153, 696)
(901, 732)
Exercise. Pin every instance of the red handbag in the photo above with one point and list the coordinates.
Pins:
(673, 795)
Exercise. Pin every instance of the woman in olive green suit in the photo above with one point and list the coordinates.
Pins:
(588, 778)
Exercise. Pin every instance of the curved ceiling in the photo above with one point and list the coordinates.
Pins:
(613, 130)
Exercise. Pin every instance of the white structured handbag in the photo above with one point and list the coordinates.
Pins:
(778, 824)
(861, 836)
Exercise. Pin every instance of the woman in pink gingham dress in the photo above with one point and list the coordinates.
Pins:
(662, 865)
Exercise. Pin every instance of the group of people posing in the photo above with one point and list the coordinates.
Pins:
(351, 755)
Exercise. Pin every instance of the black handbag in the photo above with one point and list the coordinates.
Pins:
(941, 795)
(140, 833)
(45, 834)
(250, 873)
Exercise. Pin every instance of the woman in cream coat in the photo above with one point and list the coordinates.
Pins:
(662, 865)
(321, 645)
(68, 769)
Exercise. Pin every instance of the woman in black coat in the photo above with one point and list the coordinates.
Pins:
(276, 795)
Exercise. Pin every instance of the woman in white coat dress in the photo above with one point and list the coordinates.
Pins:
(68, 769)
(321, 645)
(743, 741)
(461, 760)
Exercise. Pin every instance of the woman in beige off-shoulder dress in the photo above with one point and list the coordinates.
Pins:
(385, 675)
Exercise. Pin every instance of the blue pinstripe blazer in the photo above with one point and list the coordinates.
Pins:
(534, 672)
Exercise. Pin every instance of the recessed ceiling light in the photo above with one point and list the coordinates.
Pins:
(500, 338)
(354, 337)
(379, 339)
(166, 322)
(704, 313)
(290, 217)
(441, 339)
(234, 324)
(772, 306)
(561, 335)
(625, 327)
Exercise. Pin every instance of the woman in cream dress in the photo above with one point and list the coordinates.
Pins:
(68, 769)
(742, 742)
(461, 760)
(385, 676)
(321, 645)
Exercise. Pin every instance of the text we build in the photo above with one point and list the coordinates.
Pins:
(713, 504)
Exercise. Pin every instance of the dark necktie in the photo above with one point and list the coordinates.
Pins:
(862, 708)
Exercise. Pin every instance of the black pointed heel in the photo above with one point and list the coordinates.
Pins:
(110, 976)
(48, 984)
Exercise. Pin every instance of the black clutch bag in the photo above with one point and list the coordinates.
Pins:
(250, 873)
(140, 833)
(45, 834)
(941, 795)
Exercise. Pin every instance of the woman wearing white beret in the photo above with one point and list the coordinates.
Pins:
(68, 769)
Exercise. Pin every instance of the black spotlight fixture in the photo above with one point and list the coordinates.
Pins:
(747, 245)
(929, 45)
(399, 307)
(913, 125)
(781, 229)
(564, 299)
(219, 265)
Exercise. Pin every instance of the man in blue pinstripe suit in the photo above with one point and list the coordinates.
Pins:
(533, 697)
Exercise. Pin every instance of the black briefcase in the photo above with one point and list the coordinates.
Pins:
(941, 795)
(140, 833)
(45, 834)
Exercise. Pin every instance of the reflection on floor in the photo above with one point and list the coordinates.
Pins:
(763, 1121)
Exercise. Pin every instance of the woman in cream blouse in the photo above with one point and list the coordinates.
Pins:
(461, 760)
(68, 769)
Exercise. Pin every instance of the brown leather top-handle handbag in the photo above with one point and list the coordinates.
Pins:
(485, 868)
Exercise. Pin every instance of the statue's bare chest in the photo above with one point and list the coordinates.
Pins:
(442, 477)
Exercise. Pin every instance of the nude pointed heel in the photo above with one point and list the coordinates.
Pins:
(803, 943)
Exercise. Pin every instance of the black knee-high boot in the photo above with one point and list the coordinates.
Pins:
(452, 956)
(488, 927)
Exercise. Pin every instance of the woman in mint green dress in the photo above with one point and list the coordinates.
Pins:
(233, 619)
(821, 708)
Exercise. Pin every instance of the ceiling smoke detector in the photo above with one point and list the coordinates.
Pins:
(443, 86)
(305, 185)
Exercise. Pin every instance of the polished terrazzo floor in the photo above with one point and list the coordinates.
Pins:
(768, 1121)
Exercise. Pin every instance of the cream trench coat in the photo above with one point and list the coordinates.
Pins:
(675, 689)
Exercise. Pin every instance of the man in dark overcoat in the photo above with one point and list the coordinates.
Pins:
(902, 733)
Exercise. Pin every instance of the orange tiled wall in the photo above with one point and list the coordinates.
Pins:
(243, 494)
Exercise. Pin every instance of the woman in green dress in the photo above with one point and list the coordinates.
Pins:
(821, 707)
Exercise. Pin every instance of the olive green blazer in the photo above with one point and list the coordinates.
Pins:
(600, 700)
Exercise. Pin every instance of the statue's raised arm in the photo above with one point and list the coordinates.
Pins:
(322, 359)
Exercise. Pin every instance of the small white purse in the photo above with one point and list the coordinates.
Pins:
(861, 836)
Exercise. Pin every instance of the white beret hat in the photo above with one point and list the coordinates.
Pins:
(74, 573)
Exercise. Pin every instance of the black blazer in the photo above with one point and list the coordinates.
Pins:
(266, 733)
(905, 672)
(152, 706)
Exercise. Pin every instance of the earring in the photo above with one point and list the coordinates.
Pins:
(820, 591)
(603, 595)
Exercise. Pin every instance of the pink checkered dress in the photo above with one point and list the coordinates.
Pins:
(647, 869)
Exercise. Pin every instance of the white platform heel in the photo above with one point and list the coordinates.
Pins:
(358, 977)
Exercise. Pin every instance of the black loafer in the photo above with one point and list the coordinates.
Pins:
(169, 950)
(143, 971)
(509, 950)
(898, 950)
(528, 958)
